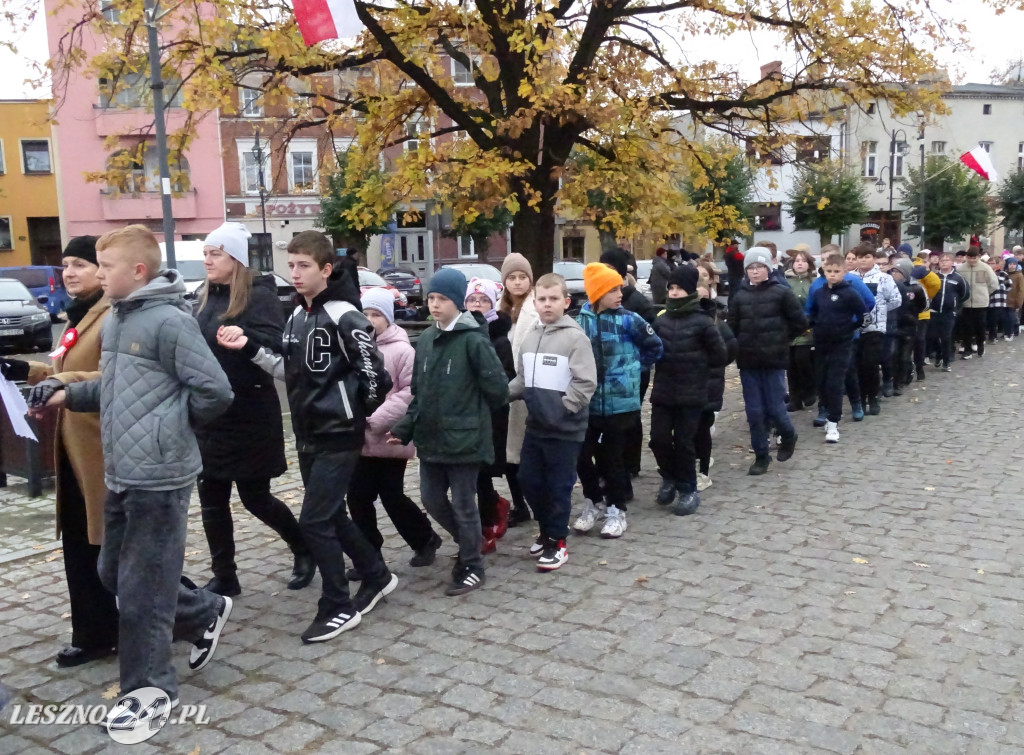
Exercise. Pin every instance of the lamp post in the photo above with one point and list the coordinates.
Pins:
(156, 83)
(257, 152)
(920, 220)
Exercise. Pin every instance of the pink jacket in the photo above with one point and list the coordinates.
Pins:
(398, 355)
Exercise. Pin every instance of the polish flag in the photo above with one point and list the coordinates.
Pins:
(979, 161)
(326, 19)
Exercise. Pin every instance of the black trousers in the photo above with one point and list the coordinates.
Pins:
(94, 617)
(215, 503)
(995, 321)
(920, 342)
(702, 444)
(385, 479)
(940, 334)
(833, 362)
(889, 353)
(974, 326)
(801, 376)
(902, 359)
(673, 442)
(869, 360)
(604, 456)
(635, 435)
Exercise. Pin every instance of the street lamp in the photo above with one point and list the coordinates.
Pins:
(257, 153)
(903, 149)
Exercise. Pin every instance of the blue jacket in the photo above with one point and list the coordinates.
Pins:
(854, 280)
(835, 313)
(623, 345)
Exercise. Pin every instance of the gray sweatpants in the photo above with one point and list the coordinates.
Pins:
(141, 561)
(460, 515)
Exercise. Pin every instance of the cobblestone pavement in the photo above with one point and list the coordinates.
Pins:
(861, 598)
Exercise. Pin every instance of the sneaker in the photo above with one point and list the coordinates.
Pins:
(687, 503)
(760, 465)
(204, 649)
(329, 626)
(465, 581)
(832, 432)
(352, 574)
(589, 516)
(1007, 338)
(874, 408)
(425, 556)
(554, 555)
(614, 523)
(538, 546)
(822, 417)
(920, 374)
(946, 368)
(928, 361)
(372, 590)
(703, 482)
(857, 411)
(666, 492)
(786, 448)
(967, 356)
(887, 388)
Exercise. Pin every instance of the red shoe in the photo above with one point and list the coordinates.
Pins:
(502, 507)
(490, 544)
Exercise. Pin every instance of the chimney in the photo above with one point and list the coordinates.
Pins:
(771, 70)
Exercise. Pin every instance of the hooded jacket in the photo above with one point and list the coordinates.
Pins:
(801, 286)
(332, 369)
(953, 291)
(887, 298)
(931, 285)
(398, 355)
(556, 376)
(691, 346)
(765, 319)
(915, 301)
(981, 282)
(159, 381)
(1015, 296)
(716, 373)
(836, 312)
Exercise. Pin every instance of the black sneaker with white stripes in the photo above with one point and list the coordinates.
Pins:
(466, 580)
(372, 590)
(330, 625)
(554, 555)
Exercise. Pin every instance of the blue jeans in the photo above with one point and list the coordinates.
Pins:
(547, 474)
(833, 364)
(764, 397)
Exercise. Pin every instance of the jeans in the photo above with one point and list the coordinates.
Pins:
(385, 478)
(995, 320)
(801, 374)
(673, 435)
(215, 500)
(869, 360)
(140, 562)
(459, 516)
(1010, 323)
(764, 398)
(974, 328)
(547, 474)
(329, 532)
(940, 333)
(702, 442)
(604, 456)
(833, 364)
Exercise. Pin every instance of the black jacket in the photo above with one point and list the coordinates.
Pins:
(498, 331)
(692, 345)
(247, 441)
(765, 318)
(635, 301)
(716, 374)
(953, 292)
(914, 302)
(836, 312)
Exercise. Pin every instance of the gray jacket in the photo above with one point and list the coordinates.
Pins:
(159, 380)
(556, 376)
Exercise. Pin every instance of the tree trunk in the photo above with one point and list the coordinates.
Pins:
(824, 238)
(481, 245)
(533, 228)
(609, 240)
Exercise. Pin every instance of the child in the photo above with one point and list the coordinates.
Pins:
(692, 345)
(997, 300)
(953, 291)
(800, 375)
(905, 319)
(482, 297)
(335, 378)
(765, 316)
(716, 393)
(380, 471)
(556, 385)
(930, 284)
(159, 380)
(623, 343)
(835, 311)
(1014, 298)
(457, 383)
(870, 348)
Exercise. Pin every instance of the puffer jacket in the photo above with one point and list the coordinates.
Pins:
(691, 345)
(765, 318)
(497, 331)
(623, 344)
(915, 301)
(635, 301)
(556, 377)
(981, 281)
(836, 312)
(716, 375)
(399, 355)
(159, 381)
(931, 285)
(887, 298)
(801, 286)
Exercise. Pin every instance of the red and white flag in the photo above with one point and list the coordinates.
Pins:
(979, 161)
(326, 19)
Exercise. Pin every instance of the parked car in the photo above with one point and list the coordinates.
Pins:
(572, 271)
(476, 270)
(643, 275)
(188, 260)
(369, 279)
(24, 320)
(406, 281)
(42, 281)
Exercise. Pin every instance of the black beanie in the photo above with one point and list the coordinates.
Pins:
(686, 277)
(83, 247)
(616, 259)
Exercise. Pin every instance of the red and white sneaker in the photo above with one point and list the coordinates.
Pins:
(555, 554)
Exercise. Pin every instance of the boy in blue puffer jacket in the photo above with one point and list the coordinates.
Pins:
(623, 343)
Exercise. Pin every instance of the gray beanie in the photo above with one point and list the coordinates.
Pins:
(758, 255)
(906, 267)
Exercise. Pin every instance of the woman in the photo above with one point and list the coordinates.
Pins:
(801, 378)
(245, 446)
(78, 457)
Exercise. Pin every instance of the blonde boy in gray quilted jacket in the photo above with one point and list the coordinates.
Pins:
(159, 380)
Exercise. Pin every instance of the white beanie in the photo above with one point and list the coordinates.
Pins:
(382, 300)
(233, 238)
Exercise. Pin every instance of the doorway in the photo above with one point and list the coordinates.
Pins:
(44, 241)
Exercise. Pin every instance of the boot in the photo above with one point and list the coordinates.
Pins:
(224, 585)
(302, 571)
(857, 411)
(518, 515)
(686, 503)
(887, 388)
(786, 448)
(667, 492)
(760, 465)
(874, 408)
(822, 417)
(501, 513)
(920, 374)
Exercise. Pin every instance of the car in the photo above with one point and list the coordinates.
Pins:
(406, 281)
(475, 270)
(42, 281)
(369, 279)
(643, 275)
(572, 271)
(285, 294)
(24, 320)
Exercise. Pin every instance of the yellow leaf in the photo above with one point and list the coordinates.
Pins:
(641, 579)
(860, 560)
(380, 661)
(111, 692)
(602, 563)
(929, 489)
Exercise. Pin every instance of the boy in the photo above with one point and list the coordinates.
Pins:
(557, 385)
(981, 283)
(335, 378)
(871, 343)
(904, 319)
(623, 344)
(159, 379)
(953, 291)
(692, 345)
(457, 383)
(930, 285)
(766, 317)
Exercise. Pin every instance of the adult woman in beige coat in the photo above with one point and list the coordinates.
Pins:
(79, 458)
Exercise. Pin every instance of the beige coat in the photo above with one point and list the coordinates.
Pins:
(528, 317)
(78, 434)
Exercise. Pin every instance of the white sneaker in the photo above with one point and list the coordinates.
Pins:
(831, 432)
(614, 523)
(703, 482)
(589, 516)
(1007, 338)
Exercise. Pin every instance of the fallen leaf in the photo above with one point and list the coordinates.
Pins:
(923, 566)
(273, 594)
(380, 661)
(602, 563)
(641, 579)
(849, 592)
(1011, 385)
(53, 557)
(860, 560)
(981, 571)
(929, 489)
(38, 547)
(111, 692)
(194, 752)
(26, 596)
(949, 461)
(65, 615)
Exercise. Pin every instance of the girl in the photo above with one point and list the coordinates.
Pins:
(800, 376)
(245, 446)
(482, 297)
(517, 303)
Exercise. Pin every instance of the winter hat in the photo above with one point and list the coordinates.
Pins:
(618, 260)
(757, 255)
(1017, 250)
(488, 288)
(906, 267)
(598, 280)
(233, 238)
(382, 300)
(83, 247)
(516, 263)
(684, 276)
(919, 272)
(450, 283)
(1008, 260)
(905, 248)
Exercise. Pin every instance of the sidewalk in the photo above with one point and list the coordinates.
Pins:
(861, 598)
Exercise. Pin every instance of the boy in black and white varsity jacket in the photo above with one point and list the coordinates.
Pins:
(556, 376)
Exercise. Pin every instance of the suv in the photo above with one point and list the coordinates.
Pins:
(45, 282)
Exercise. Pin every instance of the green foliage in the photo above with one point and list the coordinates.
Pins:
(955, 198)
(828, 199)
(726, 196)
(344, 193)
(1011, 201)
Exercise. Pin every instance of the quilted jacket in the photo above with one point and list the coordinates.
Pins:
(692, 346)
(765, 319)
(159, 380)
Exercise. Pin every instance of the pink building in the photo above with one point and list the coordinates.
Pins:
(89, 114)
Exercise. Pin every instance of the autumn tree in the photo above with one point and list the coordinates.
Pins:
(955, 199)
(826, 197)
(723, 200)
(350, 206)
(1011, 201)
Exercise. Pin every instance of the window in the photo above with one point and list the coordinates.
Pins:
(141, 176)
(132, 90)
(869, 159)
(987, 146)
(768, 217)
(572, 248)
(763, 154)
(261, 252)
(986, 110)
(897, 159)
(461, 75)
(415, 129)
(466, 248)
(251, 173)
(938, 148)
(302, 165)
(3, 162)
(110, 12)
(6, 240)
(251, 102)
(35, 157)
(813, 149)
(871, 108)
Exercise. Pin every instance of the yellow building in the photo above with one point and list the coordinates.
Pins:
(29, 215)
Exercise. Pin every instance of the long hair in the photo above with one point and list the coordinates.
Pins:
(241, 288)
(812, 270)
